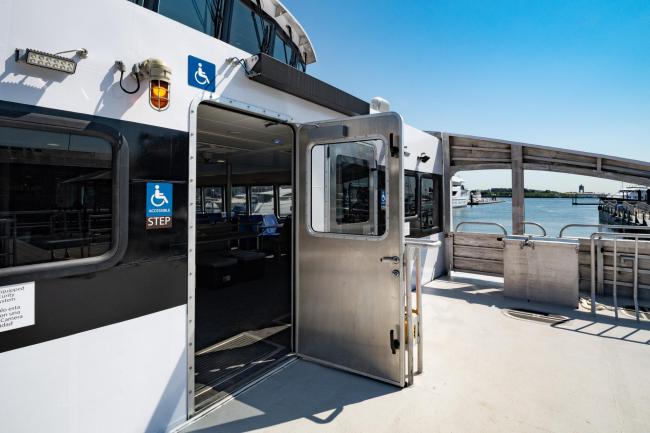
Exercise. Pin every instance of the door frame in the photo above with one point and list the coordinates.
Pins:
(222, 103)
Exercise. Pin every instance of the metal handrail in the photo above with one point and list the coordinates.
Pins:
(635, 285)
(482, 223)
(413, 247)
(536, 225)
(604, 226)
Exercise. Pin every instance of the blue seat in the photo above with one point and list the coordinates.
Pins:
(270, 226)
(249, 223)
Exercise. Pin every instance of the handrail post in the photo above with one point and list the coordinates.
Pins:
(418, 303)
(593, 274)
(636, 277)
(409, 316)
(615, 287)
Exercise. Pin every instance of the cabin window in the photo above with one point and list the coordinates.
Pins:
(281, 50)
(410, 196)
(56, 196)
(247, 29)
(346, 195)
(430, 204)
(239, 201)
(212, 199)
(262, 200)
(285, 198)
(198, 14)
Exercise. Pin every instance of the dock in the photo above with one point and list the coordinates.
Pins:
(484, 201)
(624, 212)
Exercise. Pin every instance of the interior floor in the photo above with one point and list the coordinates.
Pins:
(243, 250)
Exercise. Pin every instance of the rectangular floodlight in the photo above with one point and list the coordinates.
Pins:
(46, 60)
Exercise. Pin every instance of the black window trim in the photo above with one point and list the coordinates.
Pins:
(418, 198)
(120, 198)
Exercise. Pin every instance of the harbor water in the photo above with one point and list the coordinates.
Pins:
(551, 213)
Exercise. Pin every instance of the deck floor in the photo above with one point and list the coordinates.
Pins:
(484, 372)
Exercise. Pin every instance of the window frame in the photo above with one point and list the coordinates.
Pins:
(418, 198)
(437, 184)
(53, 122)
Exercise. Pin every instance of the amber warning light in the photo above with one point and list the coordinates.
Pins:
(159, 76)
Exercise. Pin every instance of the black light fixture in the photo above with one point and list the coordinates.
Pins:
(424, 157)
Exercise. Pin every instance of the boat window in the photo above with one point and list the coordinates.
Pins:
(239, 201)
(410, 197)
(281, 51)
(285, 197)
(212, 199)
(56, 196)
(262, 200)
(199, 200)
(430, 204)
(345, 195)
(198, 14)
(247, 29)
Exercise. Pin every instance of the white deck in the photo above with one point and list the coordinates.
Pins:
(484, 372)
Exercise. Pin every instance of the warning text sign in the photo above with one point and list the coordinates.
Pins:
(16, 306)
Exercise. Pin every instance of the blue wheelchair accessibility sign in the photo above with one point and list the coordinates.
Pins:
(201, 74)
(160, 201)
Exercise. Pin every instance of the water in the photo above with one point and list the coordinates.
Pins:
(551, 213)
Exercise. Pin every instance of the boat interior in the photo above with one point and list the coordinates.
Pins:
(243, 249)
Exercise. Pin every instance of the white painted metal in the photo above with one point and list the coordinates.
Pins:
(77, 384)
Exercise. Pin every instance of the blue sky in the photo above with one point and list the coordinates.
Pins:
(572, 74)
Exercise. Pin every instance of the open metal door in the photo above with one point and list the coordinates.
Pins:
(349, 286)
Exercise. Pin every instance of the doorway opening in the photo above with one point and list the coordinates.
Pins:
(244, 201)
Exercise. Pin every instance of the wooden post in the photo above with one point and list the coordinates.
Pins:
(447, 202)
(518, 206)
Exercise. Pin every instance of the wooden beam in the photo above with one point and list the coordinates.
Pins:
(447, 219)
(518, 206)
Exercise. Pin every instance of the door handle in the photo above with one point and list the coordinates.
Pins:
(393, 259)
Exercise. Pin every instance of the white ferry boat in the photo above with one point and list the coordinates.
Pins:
(198, 236)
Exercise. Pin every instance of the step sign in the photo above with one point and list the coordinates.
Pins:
(160, 197)
(201, 74)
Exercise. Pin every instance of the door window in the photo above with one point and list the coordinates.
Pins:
(347, 193)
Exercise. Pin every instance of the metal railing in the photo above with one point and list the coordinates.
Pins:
(603, 226)
(532, 223)
(414, 248)
(635, 286)
(482, 223)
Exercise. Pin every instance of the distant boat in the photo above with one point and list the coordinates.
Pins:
(459, 195)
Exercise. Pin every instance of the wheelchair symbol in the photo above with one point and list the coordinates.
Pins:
(158, 198)
(200, 77)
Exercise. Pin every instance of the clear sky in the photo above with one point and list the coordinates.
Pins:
(572, 74)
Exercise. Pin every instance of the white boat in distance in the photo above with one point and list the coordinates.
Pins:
(459, 195)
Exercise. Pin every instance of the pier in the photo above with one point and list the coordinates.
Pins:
(618, 211)
(587, 199)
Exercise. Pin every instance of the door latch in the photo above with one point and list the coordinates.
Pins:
(396, 273)
(394, 343)
(393, 259)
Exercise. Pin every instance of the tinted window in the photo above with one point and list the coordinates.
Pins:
(262, 200)
(352, 190)
(239, 201)
(285, 194)
(55, 196)
(281, 51)
(199, 200)
(246, 28)
(430, 215)
(346, 188)
(198, 14)
(213, 199)
(410, 198)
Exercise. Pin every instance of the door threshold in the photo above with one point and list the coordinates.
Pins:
(291, 358)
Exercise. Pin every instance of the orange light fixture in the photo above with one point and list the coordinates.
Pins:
(159, 76)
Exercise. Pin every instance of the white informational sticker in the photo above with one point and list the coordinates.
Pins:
(16, 306)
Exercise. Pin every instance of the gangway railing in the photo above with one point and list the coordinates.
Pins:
(539, 226)
(601, 227)
(414, 248)
(481, 223)
(635, 269)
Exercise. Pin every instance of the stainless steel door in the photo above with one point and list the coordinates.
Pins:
(349, 291)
